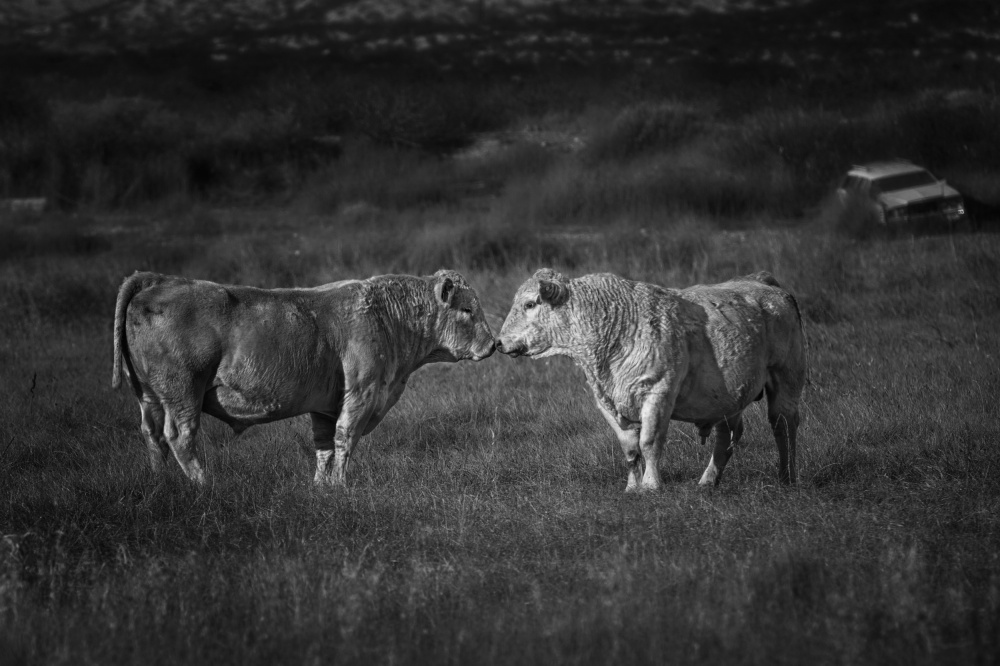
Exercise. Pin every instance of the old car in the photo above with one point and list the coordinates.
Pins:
(900, 193)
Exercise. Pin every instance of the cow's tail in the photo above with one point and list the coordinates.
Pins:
(132, 286)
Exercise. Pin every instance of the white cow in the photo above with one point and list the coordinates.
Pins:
(652, 354)
(341, 352)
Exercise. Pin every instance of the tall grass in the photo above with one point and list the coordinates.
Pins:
(485, 520)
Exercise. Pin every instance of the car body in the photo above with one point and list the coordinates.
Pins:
(901, 193)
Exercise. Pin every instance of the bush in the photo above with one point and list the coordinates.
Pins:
(417, 115)
(813, 145)
(647, 126)
(124, 151)
(119, 152)
(25, 145)
(380, 176)
(942, 129)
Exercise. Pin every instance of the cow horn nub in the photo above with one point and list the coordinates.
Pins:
(553, 293)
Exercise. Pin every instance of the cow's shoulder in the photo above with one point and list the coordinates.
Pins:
(656, 316)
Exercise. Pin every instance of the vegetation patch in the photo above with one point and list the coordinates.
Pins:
(485, 520)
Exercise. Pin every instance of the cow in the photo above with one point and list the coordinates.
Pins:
(340, 352)
(652, 354)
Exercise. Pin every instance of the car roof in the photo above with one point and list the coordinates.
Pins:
(880, 169)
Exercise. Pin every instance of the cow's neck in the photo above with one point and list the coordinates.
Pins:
(408, 313)
(600, 332)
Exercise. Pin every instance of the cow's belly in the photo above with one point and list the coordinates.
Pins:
(269, 397)
(239, 407)
(707, 402)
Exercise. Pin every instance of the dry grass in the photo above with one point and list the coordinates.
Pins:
(485, 520)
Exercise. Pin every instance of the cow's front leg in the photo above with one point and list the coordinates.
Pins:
(343, 434)
(629, 440)
(324, 429)
(656, 411)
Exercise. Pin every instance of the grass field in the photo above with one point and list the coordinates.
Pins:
(485, 520)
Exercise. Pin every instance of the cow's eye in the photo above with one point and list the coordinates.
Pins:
(529, 304)
(467, 311)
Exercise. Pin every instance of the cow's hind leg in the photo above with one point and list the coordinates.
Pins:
(783, 392)
(152, 430)
(728, 432)
(180, 429)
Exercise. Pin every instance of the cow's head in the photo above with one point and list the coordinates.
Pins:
(533, 323)
(463, 332)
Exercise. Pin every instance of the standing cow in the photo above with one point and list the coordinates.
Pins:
(652, 354)
(341, 352)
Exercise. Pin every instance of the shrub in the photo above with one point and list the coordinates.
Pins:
(942, 129)
(124, 151)
(430, 117)
(380, 176)
(813, 145)
(647, 126)
(260, 151)
(119, 151)
(25, 145)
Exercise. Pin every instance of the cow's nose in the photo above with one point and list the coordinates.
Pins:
(499, 345)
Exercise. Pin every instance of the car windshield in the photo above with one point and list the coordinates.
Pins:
(904, 181)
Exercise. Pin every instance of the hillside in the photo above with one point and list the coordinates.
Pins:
(789, 33)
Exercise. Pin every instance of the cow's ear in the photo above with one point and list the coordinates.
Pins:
(445, 289)
(553, 293)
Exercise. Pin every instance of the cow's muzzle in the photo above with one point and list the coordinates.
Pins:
(487, 353)
(510, 348)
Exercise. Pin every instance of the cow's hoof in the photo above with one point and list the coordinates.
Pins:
(329, 485)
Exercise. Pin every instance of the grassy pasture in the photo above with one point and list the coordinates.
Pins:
(485, 520)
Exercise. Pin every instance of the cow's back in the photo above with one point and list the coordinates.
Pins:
(212, 328)
(748, 316)
(738, 330)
